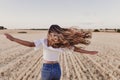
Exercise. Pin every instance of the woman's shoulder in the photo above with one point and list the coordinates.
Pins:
(40, 41)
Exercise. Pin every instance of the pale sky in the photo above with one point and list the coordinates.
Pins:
(43, 13)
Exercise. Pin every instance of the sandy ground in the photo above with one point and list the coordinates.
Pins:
(18, 62)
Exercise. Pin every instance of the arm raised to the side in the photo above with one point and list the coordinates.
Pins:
(22, 42)
(85, 51)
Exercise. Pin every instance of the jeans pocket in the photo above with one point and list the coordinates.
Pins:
(45, 72)
(45, 75)
(57, 73)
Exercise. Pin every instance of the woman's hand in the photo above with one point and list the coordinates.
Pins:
(8, 36)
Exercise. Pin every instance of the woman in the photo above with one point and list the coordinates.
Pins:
(57, 40)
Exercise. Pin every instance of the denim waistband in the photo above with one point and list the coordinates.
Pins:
(47, 64)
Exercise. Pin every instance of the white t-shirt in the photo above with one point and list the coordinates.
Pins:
(49, 53)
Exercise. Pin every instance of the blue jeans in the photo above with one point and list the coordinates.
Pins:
(51, 71)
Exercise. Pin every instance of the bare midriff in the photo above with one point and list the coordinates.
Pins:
(49, 62)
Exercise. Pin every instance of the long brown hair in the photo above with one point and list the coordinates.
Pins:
(70, 36)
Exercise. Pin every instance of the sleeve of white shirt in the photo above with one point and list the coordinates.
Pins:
(38, 44)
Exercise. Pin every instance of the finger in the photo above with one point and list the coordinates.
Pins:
(6, 34)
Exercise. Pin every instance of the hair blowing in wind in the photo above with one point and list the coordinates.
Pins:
(70, 36)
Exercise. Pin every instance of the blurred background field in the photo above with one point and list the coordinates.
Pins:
(18, 62)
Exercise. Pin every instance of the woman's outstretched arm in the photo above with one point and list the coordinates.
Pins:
(22, 42)
(85, 51)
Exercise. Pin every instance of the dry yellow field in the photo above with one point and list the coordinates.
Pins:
(18, 62)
